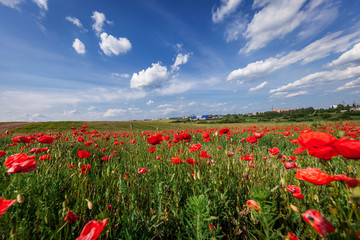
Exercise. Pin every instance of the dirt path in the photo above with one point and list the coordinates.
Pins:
(11, 125)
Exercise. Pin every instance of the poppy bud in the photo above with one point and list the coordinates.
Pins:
(20, 198)
(80, 165)
(90, 205)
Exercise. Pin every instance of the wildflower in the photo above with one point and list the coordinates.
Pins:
(292, 236)
(195, 147)
(318, 144)
(251, 139)
(190, 161)
(85, 168)
(348, 148)
(314, 176)
(44, 157)
(318, 221)
(274, 150)
(38, 150)
(46, 139)
(151, 149)
(176, 160)
(20, 162)
(87, 143)
(83, 154)
(156, 139)
(2, 153)
(252, 204)
(211, 226)
(5, 204)
(295, 190)
(92, 230)
(142, 170)
(203, 154)
(290, 165)
(132, 141)
(71, 217)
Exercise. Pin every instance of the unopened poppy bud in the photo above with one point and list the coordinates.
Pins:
(20, 198)
(294, 208)
(90, 205)
(80, 165)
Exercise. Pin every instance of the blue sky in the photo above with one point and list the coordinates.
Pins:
(137, 59)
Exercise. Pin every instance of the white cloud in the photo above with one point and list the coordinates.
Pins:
(99, 21)
(11, 3)
(258, 87)
(114, 112)
(164, 106)
(41, 4)
(153, 76)
(234, 29)
(351, 56)
(319, 79)
(181, 59)
(321, 48)
(71, 112)
(76, 22)
(150, 102)
(123, 75)
(350, 85)
(227, 7)
(277, 18)
(297, 94)
(79, 46)
(92, 108)
(112, 45)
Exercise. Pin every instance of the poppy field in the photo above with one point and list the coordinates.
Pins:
(252, 182)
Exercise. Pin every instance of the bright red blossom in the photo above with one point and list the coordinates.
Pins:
(2, 153)
(318, 221)
(5, 204)
(71, 217)
(176, 160)
(295, 190)
(142, 170)
(20, 162)
(46, 139)
(83, 154)
(92, 230)
(314, 176)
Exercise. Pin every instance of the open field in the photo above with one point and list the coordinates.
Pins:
(160, 180)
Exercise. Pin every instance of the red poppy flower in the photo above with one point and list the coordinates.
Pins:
(132, 141)
(258, 135)
(2, 153)
(46, 139)
(190, 161)
(87, 143)
(176, 160)
(142, 170)
(156, 139)
(203, 154)
(295, 190)
(195, 147)
(20, 162)
(44, 157)
(92, 230)
(290, 165)
(314, 176)
(318, 221)
(348, 148)
(38, 150)
(274, 150)
(252, 204)
(183, 136)
(83, 154)
(351, 182)
(318, 144)
(251, 139)
(211, 226)
(71, 217)
(205, 135)
(4, 205)
(151, 149)
(247, 157)
(224, 131)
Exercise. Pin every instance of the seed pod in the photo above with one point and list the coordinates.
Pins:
(20, 198)
(90, 205)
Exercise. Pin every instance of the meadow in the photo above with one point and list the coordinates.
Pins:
(157, 180)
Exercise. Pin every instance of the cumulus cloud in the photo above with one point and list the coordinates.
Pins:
(321, 48)
(11, 3)
(99, 21)
(276, 18)
(350, 57)
(319, 79)
(181, 59)
(227, 7)
(152, 77)
(150, 102)
(350, 85)
(79, 46)
(258, 87)
(41, 4)
(111, 45)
